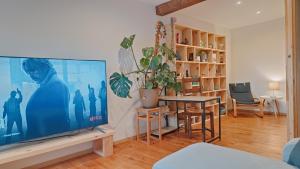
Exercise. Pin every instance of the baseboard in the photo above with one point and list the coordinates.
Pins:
(255, 111)
(272, 113)
(125, 140)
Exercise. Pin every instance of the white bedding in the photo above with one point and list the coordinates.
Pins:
(208, 156)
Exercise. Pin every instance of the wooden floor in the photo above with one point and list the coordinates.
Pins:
(248, 133)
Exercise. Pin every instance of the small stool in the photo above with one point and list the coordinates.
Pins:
(147, 115)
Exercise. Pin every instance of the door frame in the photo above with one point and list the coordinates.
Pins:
(292, 19)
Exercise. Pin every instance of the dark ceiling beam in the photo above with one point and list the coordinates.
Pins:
(174, 5)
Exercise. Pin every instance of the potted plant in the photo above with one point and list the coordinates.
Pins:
(153, 72)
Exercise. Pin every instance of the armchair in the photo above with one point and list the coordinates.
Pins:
(242, 97)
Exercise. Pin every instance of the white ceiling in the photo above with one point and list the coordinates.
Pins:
(228, 14)
(154, 2)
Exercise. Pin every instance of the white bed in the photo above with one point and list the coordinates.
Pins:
(208, 156)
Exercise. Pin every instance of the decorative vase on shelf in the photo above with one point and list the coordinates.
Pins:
(202, 44)
(178, 57)
(214, 57)
(221, 46)
(221, 60)
(216, 87)
(191, 57)
(203, 56)
(186, 73)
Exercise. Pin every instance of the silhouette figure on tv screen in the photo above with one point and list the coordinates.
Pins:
(79, 107)
(92, 99)
(103, 99)
(13, 113)
(47, 111)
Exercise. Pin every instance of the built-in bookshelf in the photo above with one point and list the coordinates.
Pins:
(202, 54)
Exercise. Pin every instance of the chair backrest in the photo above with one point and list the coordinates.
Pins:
(241, 92)
(189, 86)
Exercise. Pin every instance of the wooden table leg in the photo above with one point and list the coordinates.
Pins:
(148, 128)
(263, 102)
(203, 121)
(277, 107)
(137, 127)
(189, 126)
(212, 124)
(159, 126)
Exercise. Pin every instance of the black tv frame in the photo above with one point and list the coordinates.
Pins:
(63, 134)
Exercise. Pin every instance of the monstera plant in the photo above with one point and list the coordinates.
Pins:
(153, 72)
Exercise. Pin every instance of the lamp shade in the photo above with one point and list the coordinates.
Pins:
(274, 86)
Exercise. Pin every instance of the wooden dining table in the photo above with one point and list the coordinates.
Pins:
(197, 99)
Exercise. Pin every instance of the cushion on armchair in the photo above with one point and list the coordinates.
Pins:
(241, 92)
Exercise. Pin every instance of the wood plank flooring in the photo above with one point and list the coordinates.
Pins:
(249, 133)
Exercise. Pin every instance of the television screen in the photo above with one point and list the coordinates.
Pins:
(43, 97)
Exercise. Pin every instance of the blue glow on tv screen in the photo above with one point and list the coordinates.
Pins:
(42, 97)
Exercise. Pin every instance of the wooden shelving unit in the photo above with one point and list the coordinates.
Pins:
(202, 54)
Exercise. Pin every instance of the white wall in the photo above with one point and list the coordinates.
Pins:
(258, 56)
(79, 29)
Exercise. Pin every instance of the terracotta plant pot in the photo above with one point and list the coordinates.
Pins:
(149, 97)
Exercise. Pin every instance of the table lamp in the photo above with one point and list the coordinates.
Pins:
(274, 86)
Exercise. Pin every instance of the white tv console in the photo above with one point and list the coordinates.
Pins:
(102, 145)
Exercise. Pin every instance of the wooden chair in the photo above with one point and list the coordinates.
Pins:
(192, 86)
(242, 97)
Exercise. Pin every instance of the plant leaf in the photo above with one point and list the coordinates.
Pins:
(165, 66)
(127, 42)
(148, 52)
(156, 60)
(149, 85)
(120, 84)
(167, 52)
(145, 62)
(177, 86)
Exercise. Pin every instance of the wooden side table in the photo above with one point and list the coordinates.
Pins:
(274, 101)
(162, 130)
(146, 115)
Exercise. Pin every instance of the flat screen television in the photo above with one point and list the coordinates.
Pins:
(43, 97)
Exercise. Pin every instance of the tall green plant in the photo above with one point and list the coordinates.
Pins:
(153, 67)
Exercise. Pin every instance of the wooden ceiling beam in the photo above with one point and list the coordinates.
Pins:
(174, 5)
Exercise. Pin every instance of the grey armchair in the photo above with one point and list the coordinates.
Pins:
(241, 96)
